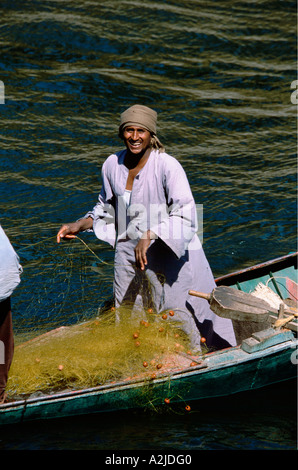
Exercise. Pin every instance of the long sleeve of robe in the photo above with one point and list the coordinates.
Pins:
(162, 201)
(10, 268)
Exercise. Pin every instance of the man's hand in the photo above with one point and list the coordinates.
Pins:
(67, 231)
(142, 247)
(71, 230)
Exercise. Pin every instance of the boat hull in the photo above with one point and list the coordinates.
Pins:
(261, 359)
(225, 373)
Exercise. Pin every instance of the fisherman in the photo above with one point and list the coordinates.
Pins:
(146, 210)
(10, 271)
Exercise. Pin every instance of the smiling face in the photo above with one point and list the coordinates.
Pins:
(137, 140)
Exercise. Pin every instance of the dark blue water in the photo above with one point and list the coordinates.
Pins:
(219, 74)
(248, 421)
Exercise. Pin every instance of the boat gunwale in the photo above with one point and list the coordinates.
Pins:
(251, 270)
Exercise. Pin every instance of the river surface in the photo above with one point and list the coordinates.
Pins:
(220, 75)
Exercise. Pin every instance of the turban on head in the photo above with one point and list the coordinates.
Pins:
(139, 115)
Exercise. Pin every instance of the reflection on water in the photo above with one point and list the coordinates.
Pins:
(218, 73)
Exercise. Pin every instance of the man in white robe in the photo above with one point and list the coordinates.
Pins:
(159, 206)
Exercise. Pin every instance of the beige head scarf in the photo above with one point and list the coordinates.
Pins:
(139, 115)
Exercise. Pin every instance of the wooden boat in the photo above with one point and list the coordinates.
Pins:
(264, 355)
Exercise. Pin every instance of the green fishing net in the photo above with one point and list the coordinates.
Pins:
(95, 352)
(69, 336)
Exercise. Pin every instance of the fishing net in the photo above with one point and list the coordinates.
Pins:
(95, 352)
(68, 334)
(62, 284)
